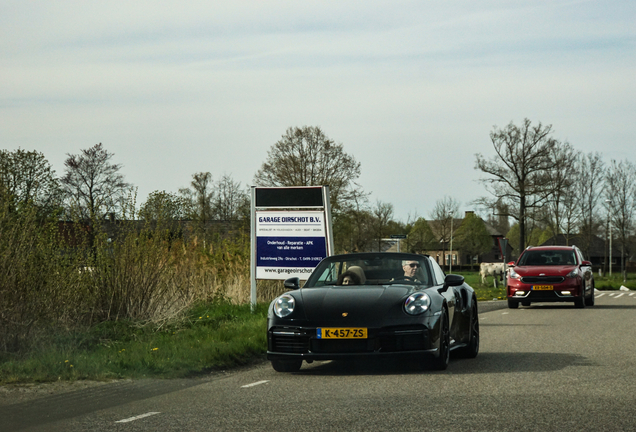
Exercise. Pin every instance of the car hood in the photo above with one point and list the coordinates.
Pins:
(359, 303)
(544, 270)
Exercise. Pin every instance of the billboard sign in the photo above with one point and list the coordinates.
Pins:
(289, 244)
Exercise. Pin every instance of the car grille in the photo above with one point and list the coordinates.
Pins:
(542, 279)
(289, 342)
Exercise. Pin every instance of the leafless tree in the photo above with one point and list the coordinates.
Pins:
(518, 173)
(382, 215)
(307, 157)
(230, 201)
(93, 185)
(560, 210)
(590, 173)
(621, 193)
(443, 213)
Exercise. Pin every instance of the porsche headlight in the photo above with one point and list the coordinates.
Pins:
(284, 305)
(574, 273)
(417, 303)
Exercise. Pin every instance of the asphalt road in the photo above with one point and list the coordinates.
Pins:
(549, 367)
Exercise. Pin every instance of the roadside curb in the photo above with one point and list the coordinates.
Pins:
(491, 305)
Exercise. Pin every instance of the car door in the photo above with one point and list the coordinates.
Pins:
(451, 294)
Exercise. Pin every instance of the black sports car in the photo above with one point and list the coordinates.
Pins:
(373, 304)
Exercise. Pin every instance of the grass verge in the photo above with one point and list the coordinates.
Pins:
(210, 336)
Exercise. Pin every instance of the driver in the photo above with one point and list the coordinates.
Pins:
(410, 269)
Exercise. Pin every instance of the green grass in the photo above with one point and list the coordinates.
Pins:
(209, 337)
(483, 291)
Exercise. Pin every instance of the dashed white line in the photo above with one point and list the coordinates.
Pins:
(620, 295)
(137, 417)
(255, 384)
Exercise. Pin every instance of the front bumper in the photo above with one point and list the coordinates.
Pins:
(567, 291)
(302, 343)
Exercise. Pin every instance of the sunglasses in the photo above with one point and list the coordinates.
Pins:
(414, 265)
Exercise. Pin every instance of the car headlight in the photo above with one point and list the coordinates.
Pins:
(417, 303)
(284, 305)
(513, 274)
(574, 273)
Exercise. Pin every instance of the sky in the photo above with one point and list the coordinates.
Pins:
(411, 89)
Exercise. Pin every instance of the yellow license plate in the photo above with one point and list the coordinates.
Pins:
(543, 287)
(341, 333)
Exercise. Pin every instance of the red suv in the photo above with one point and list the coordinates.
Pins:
(551, 274)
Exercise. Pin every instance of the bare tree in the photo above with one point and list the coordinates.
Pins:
(382, 215)
(621, 193)
(443, 213)
(560, 209)
(230, 201)
(92, 184)
(589, 182)
(519, 171)
(307, 157)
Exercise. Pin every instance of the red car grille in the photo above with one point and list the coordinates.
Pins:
(542, 279)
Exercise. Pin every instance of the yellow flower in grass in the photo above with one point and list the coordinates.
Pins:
(155, 349)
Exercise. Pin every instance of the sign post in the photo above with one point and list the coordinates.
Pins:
(291, 232)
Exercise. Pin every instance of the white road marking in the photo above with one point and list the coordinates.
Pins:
(620, 295)
(136, 417)
(505, 313)
(255, 384)
(631, 294)
(600, 295)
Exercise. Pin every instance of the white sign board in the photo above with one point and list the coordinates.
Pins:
(289, 243)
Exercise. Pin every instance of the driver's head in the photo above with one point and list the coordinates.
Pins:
(410, 267)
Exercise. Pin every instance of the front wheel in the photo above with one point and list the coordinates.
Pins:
(441, 361)
(589, 301)
(287, 365)
(471, 350)
(513, 304)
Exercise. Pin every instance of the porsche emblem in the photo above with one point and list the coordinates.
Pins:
(344, 314)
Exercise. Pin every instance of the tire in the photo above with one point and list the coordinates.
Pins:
(579, 302)
(441, 361)
(590, 301)
(287, 365)
(526, 303)
(471, 350)
(513, 304)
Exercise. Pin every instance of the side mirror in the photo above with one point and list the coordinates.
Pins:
(451, 280)
(292, 283)
(586, 263)
(511, 264)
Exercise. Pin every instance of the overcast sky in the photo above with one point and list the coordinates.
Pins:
(411, 88)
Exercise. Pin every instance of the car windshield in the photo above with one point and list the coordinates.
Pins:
(547, 257)
(371, 269)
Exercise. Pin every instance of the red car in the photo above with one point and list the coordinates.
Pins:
(550, 274)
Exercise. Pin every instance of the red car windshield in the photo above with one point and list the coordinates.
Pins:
(547, 257)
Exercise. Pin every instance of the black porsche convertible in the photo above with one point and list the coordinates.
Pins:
(373, 304)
